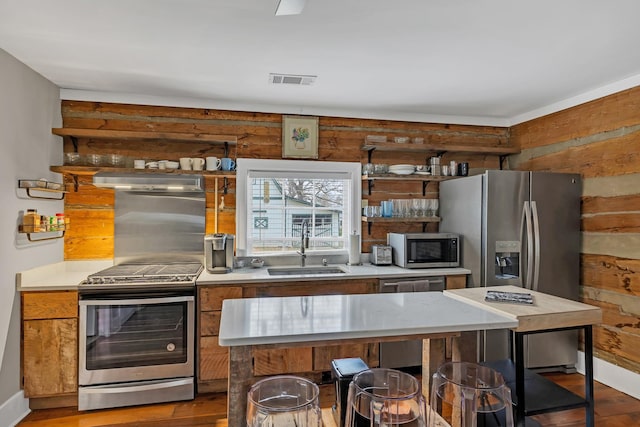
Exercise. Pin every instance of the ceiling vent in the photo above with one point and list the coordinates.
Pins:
(291, 79)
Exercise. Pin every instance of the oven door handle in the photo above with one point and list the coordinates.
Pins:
(136, 301)
(136, 388)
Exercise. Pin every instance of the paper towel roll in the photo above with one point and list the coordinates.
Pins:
(354, 249)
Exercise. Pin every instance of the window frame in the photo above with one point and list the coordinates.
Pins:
(352, 221)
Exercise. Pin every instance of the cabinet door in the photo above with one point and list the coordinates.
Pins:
(50, 357)
(213, 359)
(456, 282)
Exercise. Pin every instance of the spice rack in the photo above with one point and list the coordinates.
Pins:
(24, 230)
(50, 227)
(42, 189)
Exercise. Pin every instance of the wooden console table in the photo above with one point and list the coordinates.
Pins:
(547, 314)
(333, 319)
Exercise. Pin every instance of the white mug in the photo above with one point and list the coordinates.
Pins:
(138, 164)
(185, 163)
(213, 163)
(197, 163)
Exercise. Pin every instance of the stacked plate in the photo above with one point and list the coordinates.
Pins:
(402, 169)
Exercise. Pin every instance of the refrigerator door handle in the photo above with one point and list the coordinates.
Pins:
(526, 223)
(536, 244)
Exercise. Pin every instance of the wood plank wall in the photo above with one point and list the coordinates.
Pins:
(259, 136)
(601, 141)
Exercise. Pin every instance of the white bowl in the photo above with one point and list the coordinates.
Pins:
(170, 164)
(257, 262)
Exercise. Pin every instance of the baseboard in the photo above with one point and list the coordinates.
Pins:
(14, 410)
(621, 379)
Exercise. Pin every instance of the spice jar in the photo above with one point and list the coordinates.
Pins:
(31, 221)
(60, 221)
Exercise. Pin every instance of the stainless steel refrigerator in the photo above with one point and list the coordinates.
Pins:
(523, 229)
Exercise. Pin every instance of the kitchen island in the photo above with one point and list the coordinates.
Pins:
(257, 323)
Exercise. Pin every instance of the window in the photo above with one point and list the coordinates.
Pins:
(276, 198)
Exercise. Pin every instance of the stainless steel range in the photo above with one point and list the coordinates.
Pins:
(132, 276)
(137, 318)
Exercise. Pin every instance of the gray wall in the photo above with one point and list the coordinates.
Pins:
(29, 108)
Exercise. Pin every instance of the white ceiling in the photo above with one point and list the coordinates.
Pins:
(495, 62)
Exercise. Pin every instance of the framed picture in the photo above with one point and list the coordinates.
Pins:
(299, 137)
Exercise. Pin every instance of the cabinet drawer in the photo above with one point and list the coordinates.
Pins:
(210, 323)
(282, 361)
(49, 305)
(214, 360)
(211, 297)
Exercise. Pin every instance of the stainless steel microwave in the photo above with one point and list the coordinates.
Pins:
(425, 250)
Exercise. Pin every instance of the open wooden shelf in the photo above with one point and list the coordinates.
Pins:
(439, 147)
(92, 170)
(411, 177)
(140, 135)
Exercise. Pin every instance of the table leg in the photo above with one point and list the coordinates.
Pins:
(240, 379)
(432, 356)
(588, 375)
(520, 398)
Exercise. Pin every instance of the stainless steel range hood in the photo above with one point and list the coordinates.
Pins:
(148, 182)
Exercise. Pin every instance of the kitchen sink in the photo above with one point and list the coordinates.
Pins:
(291, 271)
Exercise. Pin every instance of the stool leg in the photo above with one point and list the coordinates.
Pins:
(588, 375)
(519, 362)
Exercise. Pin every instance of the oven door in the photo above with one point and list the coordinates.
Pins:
(126, 337)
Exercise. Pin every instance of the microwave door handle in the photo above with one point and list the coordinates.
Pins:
(525, 224)
(536, 244)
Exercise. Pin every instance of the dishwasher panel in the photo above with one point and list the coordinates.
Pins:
(406, 354)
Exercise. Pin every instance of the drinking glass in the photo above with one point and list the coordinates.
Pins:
(397, 211)
(416, 206)
(424, 207)
(385, 397)
(469, 395)
(387, 208)
(284, 401)
(435, 203)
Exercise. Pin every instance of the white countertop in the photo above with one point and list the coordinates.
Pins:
(68, 275)
(366, 270)
(59, 276)
(259, 321)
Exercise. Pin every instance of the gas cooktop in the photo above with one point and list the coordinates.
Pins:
(128, 275)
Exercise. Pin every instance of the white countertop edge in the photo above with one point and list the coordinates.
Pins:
(62, 275)
(365, 271)
(330, 336)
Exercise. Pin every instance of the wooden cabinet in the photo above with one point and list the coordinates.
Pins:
(49, 343)
(213, 359)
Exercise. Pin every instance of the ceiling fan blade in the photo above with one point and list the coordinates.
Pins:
(290, 7)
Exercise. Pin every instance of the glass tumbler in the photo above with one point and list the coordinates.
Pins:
(385, 397)
(284, 401)
(469, 395)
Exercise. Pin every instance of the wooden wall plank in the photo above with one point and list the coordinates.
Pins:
(259, 136)
(618, 275)
(601, 115)
(599, 140)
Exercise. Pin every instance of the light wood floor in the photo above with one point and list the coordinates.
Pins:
(613, 409)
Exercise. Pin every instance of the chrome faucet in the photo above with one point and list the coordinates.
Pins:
(304, 243)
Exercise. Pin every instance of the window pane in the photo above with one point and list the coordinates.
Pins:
(280, 206)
